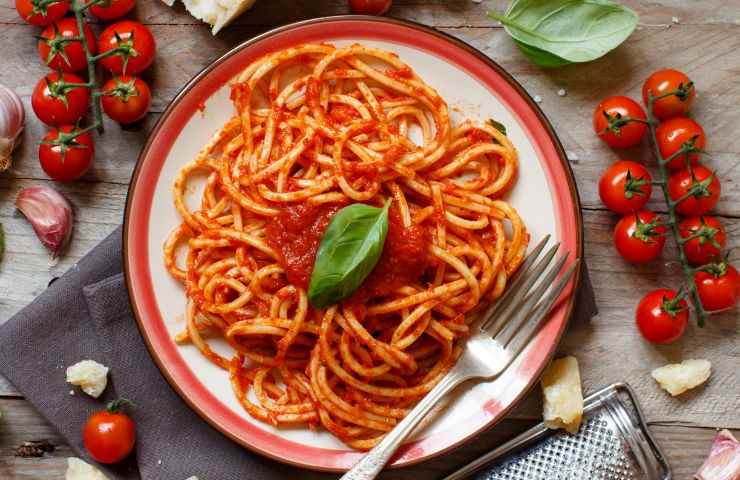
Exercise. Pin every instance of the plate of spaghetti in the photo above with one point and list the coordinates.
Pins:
(316, 221)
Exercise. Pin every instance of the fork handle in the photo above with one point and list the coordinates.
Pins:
(372, 463)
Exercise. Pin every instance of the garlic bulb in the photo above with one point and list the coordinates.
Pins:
(723, 462)
(11, 124)
(49, 213)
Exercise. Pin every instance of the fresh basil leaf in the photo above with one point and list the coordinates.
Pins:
(497, 125)
(567, 30)
(349, 250)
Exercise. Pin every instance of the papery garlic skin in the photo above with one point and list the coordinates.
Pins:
(50, 215)
(12, 117)
(723, 462)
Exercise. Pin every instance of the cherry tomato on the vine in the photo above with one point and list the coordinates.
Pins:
(702, 182)
(59, 100)
(126, 99)
(370, 7)
(136, 47)
(625, 187)
(109, 436)
(718, 286)
(638, 237)
(673, 134)
(112, 9)
(668, 80)
(619, 121)
(59, 51)
(36, 12)
(708, 238)
(661, 317)
(66, 161)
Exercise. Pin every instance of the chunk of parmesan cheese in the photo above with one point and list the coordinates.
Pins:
(79, 470)
(677, 378)
(217, 13)
(563, 399)
(89, 375)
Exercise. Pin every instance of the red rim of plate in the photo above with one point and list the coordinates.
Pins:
(187, 102)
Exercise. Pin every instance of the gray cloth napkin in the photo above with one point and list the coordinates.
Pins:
(86, 315)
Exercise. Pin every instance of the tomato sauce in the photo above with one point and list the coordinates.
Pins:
(341, 114)
(404, 72)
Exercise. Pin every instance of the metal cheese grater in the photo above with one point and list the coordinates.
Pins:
(613, 443)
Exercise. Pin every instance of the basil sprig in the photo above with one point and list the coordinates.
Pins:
(552, 33)
(349, 249)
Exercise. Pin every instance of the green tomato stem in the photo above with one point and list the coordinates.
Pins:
(79, 7)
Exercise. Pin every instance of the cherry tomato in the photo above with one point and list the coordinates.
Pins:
(135, 40)
(619, 122)
(638, 238)
(625, 187)
(369, 7)
(126, 98)
(59, 52)
(664, 81)
(55, 102)
(112, 9)
(33, 12)
(109, 436)
(66, 162)
(673, 133)
(710, 241)
(661, 318)
(718, 286)
(706, 190)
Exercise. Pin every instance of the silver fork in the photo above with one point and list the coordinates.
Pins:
(505, 329)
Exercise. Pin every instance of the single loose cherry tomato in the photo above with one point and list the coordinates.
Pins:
(370, 7)
(625, 187)
(59, 99)
(619, 121)
(126, 99)
(661, 317)
(668, 80)
(638, 237)
(136, 47)
(66, 160)
(112, 9)
(109, 436)
(673, 134)
(718, 286)
(702, 182)
(59, 51)
(36, 12)
(708, 238)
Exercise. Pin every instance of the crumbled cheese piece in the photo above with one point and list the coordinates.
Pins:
(538, 99)
(91, 376)
(562, 92)
(71, 392)
(677, 378)
(563, 399)
(675, 20)
(572, 156)
(79, 470)
(217, 13)
(192, 478)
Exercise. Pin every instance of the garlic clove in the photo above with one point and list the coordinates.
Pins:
(50, 215)
(723, 462)
(12, 117)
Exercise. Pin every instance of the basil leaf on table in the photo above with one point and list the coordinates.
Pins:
(552, 33)
(349, 250)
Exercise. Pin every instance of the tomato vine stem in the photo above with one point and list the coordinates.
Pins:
(79, 7)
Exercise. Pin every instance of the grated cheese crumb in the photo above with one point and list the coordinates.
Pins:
(675, 20)
(676, 378)
(538, 99)
(563, 399)
(562, 92)
(79, 470)
(89, 375)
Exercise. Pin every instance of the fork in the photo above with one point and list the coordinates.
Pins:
(504, 330)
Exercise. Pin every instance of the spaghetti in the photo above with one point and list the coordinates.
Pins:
(318, 128)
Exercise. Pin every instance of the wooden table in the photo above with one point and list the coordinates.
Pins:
(702, 40)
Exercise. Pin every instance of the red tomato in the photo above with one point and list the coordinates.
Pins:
(709, 242)
(625, 187)
(112, 9)
(109, 436)
(136, 43)
(673, 133)
(718, 286)
(706, 190)
(35, 13)
(619, 121)
(59, 52)
(126, 98)
(370, 7)
(55, 102)
(638, 238)
(661, 318)
(668, 80)
(66, 161)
